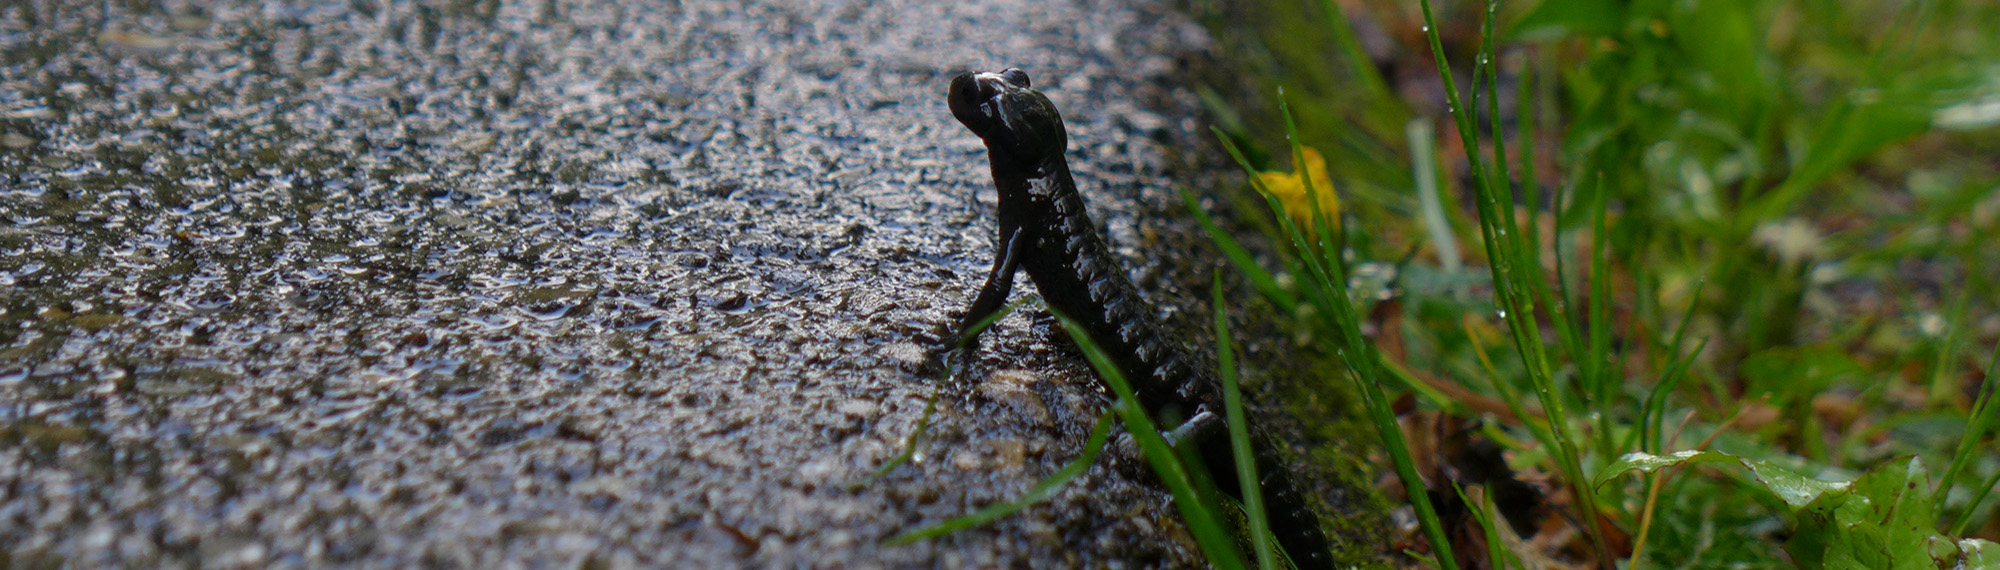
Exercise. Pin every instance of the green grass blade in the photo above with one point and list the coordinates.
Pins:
(1326, 236)
(1298, 239)
(1330, 294)
(1510, 262)
(1984, 489)
(1508, 393)
(1216, 541)
(1976, 425)
(965, 338)
(930, 406)
(1483, 511)
(1358, 62)
(1409, 381)
(1554, 297)
(1239, 434)
(1338, 306)
(1424, 168)
(1942, 388)
(1558, 299)
(1036, 494)
(1246, 264)
(1597, 361)
(1653, 414)
(909, 447)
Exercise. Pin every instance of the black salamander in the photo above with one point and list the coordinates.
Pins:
(1045, 230)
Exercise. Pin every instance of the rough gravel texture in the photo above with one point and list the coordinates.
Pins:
(550, 284)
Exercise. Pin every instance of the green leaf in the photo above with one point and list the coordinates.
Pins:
(1796, 490)
(1878, 522)
(1979, 554)
(1884, 519)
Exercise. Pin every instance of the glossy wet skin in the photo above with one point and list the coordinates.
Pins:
(1012, 118)
(1046, 230)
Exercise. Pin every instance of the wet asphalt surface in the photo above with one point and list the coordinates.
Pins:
(551, 284)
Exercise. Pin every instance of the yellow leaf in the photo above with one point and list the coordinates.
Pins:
(1290, 189)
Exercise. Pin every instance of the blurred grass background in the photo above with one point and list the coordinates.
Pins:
(1760, 227)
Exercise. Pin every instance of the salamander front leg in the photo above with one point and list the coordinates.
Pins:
(994, 293)
(991, 297)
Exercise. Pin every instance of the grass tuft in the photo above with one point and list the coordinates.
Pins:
(1764, 225)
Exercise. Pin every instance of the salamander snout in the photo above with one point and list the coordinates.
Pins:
(1003, 109)
(976, 96)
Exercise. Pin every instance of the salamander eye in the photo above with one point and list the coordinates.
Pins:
(1015, 76)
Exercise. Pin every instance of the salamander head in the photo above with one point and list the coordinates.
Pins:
(1016, 122)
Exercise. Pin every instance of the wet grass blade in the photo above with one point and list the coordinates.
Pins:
(1965, 520)
(1034, 495)
(1246, 265)
(1311, 262)
(1485, 513)
(1358, 62)
(1942, 388)
(1328, 288)
(1214, 537)
(1239, 434)
(1514, 264)
(1977, 424)
(965, 338)
(1424, 169)
(1597, 361)
(909, 446)
(930, 406)
(1653, 416)
(1337, 304)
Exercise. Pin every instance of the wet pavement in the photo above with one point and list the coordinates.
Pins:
(550, 284)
